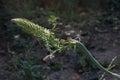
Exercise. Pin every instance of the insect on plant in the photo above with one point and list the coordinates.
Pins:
(55, 45)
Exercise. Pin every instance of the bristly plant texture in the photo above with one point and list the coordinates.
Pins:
(46, 35)
(54, 45)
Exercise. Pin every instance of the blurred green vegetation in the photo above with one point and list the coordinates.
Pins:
(39, 11)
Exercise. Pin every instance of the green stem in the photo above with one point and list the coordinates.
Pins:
(85, 50)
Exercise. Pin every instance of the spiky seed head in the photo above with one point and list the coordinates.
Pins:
(38, 31)
(32, 28)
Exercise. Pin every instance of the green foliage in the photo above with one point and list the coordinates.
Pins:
(52, 18)
(31, 72)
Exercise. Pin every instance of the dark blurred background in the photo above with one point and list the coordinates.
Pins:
(95, 22)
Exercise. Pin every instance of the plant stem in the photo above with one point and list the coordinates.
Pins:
(85, 50)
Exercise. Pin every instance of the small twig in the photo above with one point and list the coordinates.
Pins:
(109, 67)
(54, 26)
(50, 56)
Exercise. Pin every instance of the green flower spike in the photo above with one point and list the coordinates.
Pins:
(46, 35)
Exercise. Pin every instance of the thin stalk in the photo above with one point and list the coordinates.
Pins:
(85, 51)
